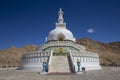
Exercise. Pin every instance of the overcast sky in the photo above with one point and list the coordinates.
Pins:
(24, 22)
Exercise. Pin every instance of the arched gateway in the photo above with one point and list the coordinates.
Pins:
(60, 53)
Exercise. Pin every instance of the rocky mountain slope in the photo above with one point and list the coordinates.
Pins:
(12, 56)
(109, 52)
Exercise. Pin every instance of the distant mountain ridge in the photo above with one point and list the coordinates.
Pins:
(109, 52)
(12, 56)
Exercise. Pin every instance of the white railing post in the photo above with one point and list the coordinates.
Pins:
(73, 66)
(50, 60)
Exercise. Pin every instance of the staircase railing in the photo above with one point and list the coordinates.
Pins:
(62, 43)
(50, 58)
(72, 64)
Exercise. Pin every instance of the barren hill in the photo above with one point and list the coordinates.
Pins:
(109, 52)
(12, 56)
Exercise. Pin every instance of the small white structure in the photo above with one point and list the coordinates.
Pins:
(60, 53)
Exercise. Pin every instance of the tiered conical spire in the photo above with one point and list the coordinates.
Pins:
(60, 22)
(60, 16)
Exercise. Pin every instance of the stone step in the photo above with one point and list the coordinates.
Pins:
(59, 64)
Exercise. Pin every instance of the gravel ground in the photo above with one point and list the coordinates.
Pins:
(107, 73)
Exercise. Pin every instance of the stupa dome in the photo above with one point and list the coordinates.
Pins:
(60, 32)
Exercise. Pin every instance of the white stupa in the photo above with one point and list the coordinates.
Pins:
(60, 53)
(60, 32)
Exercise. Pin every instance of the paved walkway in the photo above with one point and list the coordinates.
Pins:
(107, 73)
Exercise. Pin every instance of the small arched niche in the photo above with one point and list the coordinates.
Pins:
(60, 37)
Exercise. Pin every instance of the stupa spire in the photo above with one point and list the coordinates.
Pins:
(60, 22)
(60, 16)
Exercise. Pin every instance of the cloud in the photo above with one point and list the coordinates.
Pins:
(90, 30)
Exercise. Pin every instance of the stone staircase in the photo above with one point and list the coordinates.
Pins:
(59, 64)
